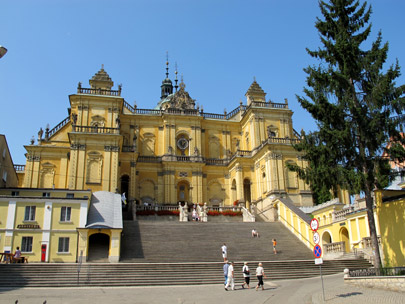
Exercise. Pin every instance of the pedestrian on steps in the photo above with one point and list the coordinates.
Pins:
(260, 275)
(246, 275)
(231, 276)
(274, 246)
(224, 250)
(226, 267)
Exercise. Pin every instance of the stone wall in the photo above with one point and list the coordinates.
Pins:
(396, 283)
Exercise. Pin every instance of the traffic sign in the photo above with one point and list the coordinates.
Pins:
(317, 251)
(314, 224)
(316, 238)
(318, 261)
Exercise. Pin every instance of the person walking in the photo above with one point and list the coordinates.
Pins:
(260, 274)
(226, 267)
(274, 246)
(246, 275)
(231, 281)
(224, 250)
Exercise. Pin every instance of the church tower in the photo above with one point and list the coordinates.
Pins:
(167, 85)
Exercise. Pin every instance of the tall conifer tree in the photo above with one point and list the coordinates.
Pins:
(357, 106)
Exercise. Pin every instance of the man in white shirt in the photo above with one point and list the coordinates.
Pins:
(230, 278)
(224, 252)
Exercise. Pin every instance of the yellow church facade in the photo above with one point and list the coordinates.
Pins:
(174, 152)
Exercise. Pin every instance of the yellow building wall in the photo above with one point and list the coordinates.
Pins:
(74, 216)
(20, 212)
(63, 257)
(392, 228)
(35, 255)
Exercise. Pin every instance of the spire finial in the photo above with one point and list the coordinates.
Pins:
(102, 66)
(254, 78)
(167, 64)
(175, 72)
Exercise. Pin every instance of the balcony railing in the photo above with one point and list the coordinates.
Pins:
(128, 149)
(58, 127)
(99, 92)
(150, 159)
(19, 167)
(95, 129)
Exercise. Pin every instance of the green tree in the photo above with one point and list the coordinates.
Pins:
(357, 106)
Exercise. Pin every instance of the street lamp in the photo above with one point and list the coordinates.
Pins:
(3, 51)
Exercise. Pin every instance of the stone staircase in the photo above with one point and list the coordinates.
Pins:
(172, 253)
(157, 274)
(166, 242)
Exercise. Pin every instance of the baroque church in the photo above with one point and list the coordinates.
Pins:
(173, 152)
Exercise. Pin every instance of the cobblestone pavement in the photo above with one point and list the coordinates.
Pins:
(281, 292)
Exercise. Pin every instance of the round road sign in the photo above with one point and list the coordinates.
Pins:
(316, 238)
(314, 224)
(317, 251)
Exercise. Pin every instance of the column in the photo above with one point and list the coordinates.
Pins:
(46, 229)
(8, 236)
(107, 169)
(73, 166)
(35, 172)
(81, 167)
(114, 168)
(239, 182)
(63, 171)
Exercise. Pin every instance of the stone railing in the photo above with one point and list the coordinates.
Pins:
(337, 247)
(149, 159)
(128, 149)
(341, 215)
(81, 90)
(247, 216)
(58, 127)
(19, 168)
(95, 129)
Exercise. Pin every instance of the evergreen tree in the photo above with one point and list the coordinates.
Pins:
(357, 107)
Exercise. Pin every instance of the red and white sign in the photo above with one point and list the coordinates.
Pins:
(314, 224)
(316, 238)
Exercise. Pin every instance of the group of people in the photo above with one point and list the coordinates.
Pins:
(229, 272)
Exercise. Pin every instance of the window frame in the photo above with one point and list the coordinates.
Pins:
(30, 215)
(65, 214)
(26, 243)
(63, 244)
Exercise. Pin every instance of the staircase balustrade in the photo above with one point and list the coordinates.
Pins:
(247, 216)
(337, 247)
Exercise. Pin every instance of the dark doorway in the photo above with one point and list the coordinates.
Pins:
(246, 190)
(99, 246)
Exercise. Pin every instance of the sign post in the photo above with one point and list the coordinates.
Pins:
(317, 250)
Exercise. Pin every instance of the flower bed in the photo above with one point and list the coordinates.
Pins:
(226, 213)
(159, 212)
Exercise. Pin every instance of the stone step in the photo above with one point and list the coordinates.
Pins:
(65, 275)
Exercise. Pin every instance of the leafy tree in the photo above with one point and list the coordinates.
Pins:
(357, 107)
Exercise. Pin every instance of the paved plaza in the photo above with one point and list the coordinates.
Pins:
(281, 292)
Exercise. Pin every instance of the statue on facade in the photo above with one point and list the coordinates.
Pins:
(237, 144)
(40, 132)
(74, 118)
(170, 150)
(195, 151)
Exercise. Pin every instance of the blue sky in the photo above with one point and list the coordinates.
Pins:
(219, 46)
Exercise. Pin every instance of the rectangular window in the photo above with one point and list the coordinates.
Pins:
(65, 214)
(15, 193)
(63, 244)
(29, 213)
(5, 176)
(26, 244)
(46, 194)
(70, 195)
